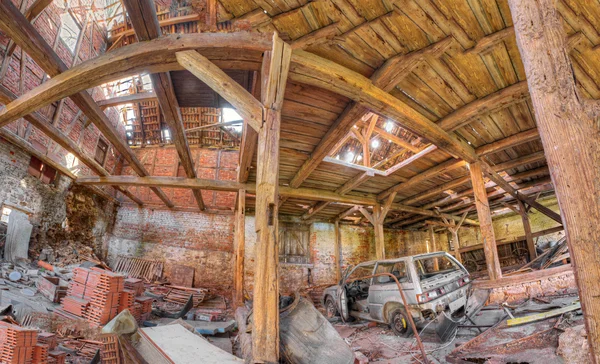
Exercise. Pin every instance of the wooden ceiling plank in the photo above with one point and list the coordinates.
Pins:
(142, 14)
(386, 77)
(15, 25)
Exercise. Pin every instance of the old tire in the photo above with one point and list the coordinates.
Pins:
(399, 323)
(330, 309)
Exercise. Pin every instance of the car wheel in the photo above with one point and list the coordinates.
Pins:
(399, 324)
(330, 309)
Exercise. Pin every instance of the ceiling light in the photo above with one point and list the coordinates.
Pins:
(389, 126)
(349, 156)
(375, 143)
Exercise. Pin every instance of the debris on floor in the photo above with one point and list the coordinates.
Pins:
(573, 346)
(174, 344)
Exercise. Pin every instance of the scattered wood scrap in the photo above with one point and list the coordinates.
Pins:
(147, 269)
(180, 295)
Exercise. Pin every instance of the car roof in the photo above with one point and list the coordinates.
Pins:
(394, 260)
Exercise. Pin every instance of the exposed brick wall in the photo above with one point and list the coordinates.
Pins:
(48, 24)
(200, 240)
(210, 164)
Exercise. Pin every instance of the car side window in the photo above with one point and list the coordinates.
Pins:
(398, 269)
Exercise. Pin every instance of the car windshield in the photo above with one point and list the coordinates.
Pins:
(429, 267)
(362, 271)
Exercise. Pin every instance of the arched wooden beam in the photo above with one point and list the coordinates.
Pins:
(153, 56)
(157, 55)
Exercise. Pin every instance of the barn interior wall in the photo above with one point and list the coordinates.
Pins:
(64, 217)
(357, 245)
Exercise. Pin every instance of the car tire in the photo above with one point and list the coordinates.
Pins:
(399, 323)
(330, 309)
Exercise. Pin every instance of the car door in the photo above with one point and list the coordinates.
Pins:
(384, 288)
(359, 271)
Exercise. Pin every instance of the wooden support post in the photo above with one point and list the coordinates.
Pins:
(485, 222)
(568, 126)
(436, 264)
(265, 332)
(337, 251)
(527, 228)
(379, 234)
(240, 247)
(456, 244)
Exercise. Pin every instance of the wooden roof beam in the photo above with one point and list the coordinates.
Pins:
(127, 99)
(232, 186)
(493, 102)
(444, 167)
(527, 188)
(16, 26)
(247, 106)
(31, 14)
(494, 176)
(509, 142)
(142, 14)
(386, 77)
(163, 23)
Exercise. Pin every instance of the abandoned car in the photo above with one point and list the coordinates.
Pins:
(432, 283)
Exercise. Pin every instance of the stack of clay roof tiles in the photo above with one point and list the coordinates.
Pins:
(94, 295)
(17, 344)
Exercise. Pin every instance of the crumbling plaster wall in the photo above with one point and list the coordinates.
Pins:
(63, 217)
(510, 226)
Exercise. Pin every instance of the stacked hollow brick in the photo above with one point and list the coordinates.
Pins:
(99, 295)
(17, 345)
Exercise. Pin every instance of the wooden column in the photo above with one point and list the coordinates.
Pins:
(337, 251)
(379, 234)
(569, 129)
(240, 247)
(485, 222)
(265, 332)
(527, 229)
(456, 244)
(522, 211)
(436, 264)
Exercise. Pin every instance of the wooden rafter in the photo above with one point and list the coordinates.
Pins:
(142, 14)
(387, 77)
(246, 105)
(53, 133)
(128, 99)
(16, 26)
